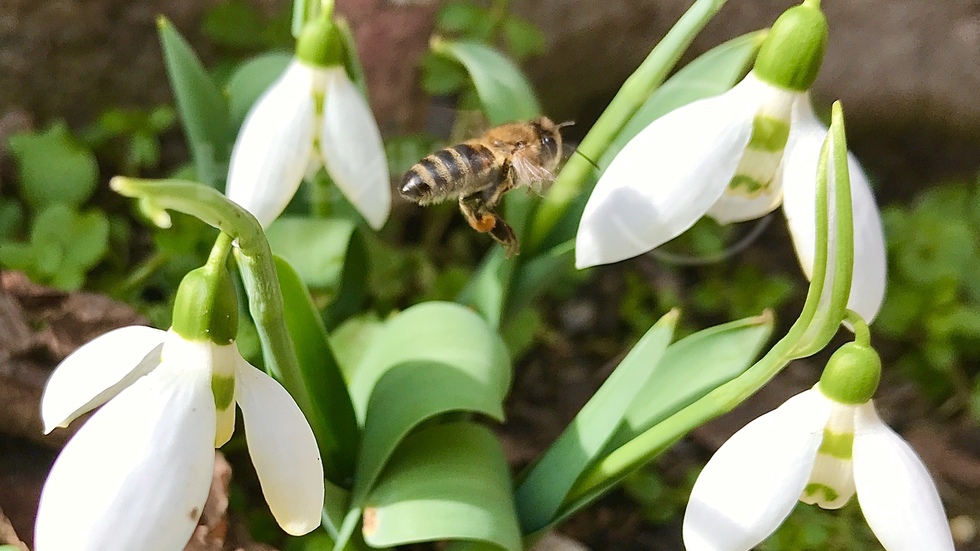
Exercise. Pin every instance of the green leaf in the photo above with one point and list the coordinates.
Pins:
(540, 494)
(505, 93)
(315, 247)
(447, 482)
(250, 80)
(440, 332)
(457, 17)
(486, 292)
(202, 108)
(523, 38)
(441, 75)
(64, 246)
(333, 421)
(446, 355)
(691, 368)
(711, 74)
(53, 167)
(234, 23)
(352, 338)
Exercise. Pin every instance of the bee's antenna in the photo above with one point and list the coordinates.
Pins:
(564, 124)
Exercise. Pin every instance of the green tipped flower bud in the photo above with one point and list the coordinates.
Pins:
(852, 374)
(206, 307)
(320, 44)
(792, 53)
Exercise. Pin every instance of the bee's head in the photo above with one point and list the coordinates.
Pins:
(549, 140)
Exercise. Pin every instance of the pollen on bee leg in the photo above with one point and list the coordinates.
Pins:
(484, 223)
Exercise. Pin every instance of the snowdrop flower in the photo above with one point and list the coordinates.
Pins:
(137, 474)
(736, 157)
(312, 116)
(820, 447)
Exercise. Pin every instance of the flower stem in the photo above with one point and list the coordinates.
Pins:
(648, 77)
(257, 269)
(219, 252)
(862, 335)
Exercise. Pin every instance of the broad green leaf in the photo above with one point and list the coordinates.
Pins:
(723, 352)
(53, 167)
(505, 93)
(250, 80)
(539, 496)
(202, 108)
(333, 421)
(441, 75)
(440, 332)
(691, 368)
(315, 247)
(711, 74)
(406, 396)
(446, 482)
(352, 338)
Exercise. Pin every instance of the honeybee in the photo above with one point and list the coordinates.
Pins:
(480, 171)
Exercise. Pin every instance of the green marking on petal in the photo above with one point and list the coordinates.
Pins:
(837, 445)
(223, 389)
(814, 488)
(768, 134)
(745, 185)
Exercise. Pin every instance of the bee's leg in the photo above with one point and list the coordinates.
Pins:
(484, 219)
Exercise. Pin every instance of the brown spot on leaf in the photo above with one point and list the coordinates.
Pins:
(195, 512)
(370, 521)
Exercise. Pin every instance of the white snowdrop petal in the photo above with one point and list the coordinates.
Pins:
(352, 150)
(733, 207)
(667, 177)
(799, 203)
(896, 493)
(137, 474)
(283, 450)
(97, 371)
(753, 482)
(274, 146)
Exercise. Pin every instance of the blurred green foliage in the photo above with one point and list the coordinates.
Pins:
(932, 305)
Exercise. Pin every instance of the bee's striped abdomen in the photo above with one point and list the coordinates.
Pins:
(449, 173)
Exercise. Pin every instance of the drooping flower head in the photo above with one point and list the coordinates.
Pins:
(821, 447)
(735, 157)
(311, 117)
(137, 474)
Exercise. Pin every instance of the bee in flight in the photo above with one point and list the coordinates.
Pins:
(478, 172)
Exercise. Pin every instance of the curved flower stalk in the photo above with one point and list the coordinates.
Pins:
(312, 116)
(820, 447)
(137, 474)
(735, 157)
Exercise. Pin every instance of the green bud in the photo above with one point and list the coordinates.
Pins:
(792, 53)
(206, 307)
(320, 44)
(852, 374)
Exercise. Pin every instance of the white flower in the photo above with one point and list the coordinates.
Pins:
(136, 475)
(705, 158)
(311, 117)
(816, 450)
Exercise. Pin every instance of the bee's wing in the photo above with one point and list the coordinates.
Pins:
(531, 174)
